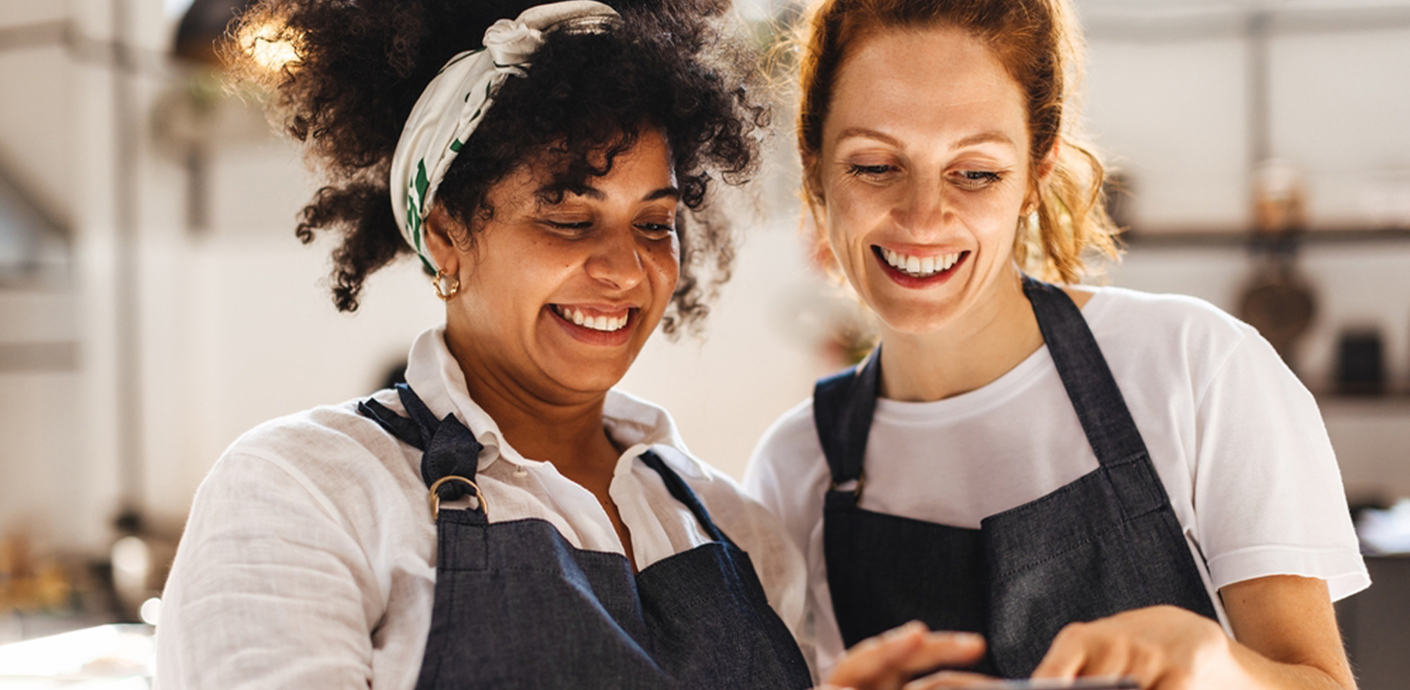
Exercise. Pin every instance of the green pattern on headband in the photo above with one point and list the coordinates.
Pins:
(416, 210)
(481, 110)
(437, 128)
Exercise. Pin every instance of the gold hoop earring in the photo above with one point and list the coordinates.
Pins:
(1030, 215)
(447, 285)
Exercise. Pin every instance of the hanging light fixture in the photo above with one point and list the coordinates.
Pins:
(203, 24)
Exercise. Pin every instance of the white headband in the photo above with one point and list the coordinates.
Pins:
(451, 106)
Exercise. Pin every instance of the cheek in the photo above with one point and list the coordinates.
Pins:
(991, 215)
(663, 261)
(848, 217)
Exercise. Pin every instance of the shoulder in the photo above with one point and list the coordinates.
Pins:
(791, 441)
(312, 435)
(1190, 337)
(1131, 313)
(330, 452)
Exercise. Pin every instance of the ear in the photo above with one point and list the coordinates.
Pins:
(1042, 175)
(1046, 168)
(1049, 164)
(812, 183)
(439, 233)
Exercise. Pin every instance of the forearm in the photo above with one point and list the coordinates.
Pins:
(1286, 634)
(1261, 673)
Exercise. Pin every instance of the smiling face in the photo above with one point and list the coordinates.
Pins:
(560, 297)
(923, 174)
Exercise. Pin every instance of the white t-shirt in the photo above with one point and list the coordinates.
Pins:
(309, 557)
(1234, 436)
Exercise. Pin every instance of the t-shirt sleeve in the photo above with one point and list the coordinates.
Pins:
(268, 590)
(786, 474)
(1268, 494)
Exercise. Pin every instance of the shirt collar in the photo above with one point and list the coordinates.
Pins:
(633, 423)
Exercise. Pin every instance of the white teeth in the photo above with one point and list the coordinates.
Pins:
(920, 267)
(596, 323)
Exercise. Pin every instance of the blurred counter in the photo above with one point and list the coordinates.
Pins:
(106, 657)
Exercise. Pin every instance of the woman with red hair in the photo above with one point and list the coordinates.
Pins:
(1100, 481)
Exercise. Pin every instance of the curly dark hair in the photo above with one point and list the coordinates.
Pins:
(362, 65)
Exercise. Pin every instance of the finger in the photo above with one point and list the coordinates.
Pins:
(876, 658)
(1107, 656)
(1066, 656)
(944, 648)
(1146, 666)
(948, 679)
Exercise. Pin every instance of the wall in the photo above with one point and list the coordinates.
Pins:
(236, 328)
(1169, 96)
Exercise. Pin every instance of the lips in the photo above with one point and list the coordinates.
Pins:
(596, 321)
(595, 325)
(916, 270)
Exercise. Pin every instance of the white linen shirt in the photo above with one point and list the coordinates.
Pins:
(1235, 438)
(309, 558)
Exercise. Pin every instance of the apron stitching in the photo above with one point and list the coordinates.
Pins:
(1095, 536)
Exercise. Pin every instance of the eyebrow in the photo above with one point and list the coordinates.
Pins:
(597, 195)
(863, 132)
(663, 193)
(989, 137)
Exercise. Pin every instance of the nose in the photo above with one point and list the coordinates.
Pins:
(615, 260)
(922, 208)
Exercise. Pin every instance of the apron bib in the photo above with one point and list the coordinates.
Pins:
(517, 606)
(1105, 543)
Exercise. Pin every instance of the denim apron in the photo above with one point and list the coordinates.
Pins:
(517, 606)
(1105, 543)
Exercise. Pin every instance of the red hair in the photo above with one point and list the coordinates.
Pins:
(1039, 44)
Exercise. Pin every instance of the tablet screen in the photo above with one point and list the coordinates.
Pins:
(1092, 683)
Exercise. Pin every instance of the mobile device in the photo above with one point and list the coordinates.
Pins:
(1089, 683)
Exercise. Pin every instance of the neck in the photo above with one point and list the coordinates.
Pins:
(981, 344)
(564, 428)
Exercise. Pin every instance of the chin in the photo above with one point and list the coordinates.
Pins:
(915, 316)
(915, 321)
(590, 377)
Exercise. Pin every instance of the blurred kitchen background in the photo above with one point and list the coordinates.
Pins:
(154, 303)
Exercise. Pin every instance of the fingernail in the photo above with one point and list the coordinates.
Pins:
(968, 638)
(907, 629)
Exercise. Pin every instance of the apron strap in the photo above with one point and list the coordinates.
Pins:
(683, 493)
(448, 448)
(1085, 375)
(843, 405)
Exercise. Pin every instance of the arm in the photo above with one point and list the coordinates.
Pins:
(1286, 632)
(1266, 503)
(268, 590)
(1289, 629)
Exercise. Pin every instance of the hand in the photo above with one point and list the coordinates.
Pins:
(889, 660)
(1162, 647)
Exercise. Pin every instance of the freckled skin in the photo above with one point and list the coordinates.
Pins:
(924, 92)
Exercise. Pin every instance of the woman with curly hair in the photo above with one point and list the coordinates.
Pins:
(1099, 481)
(505, 519)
